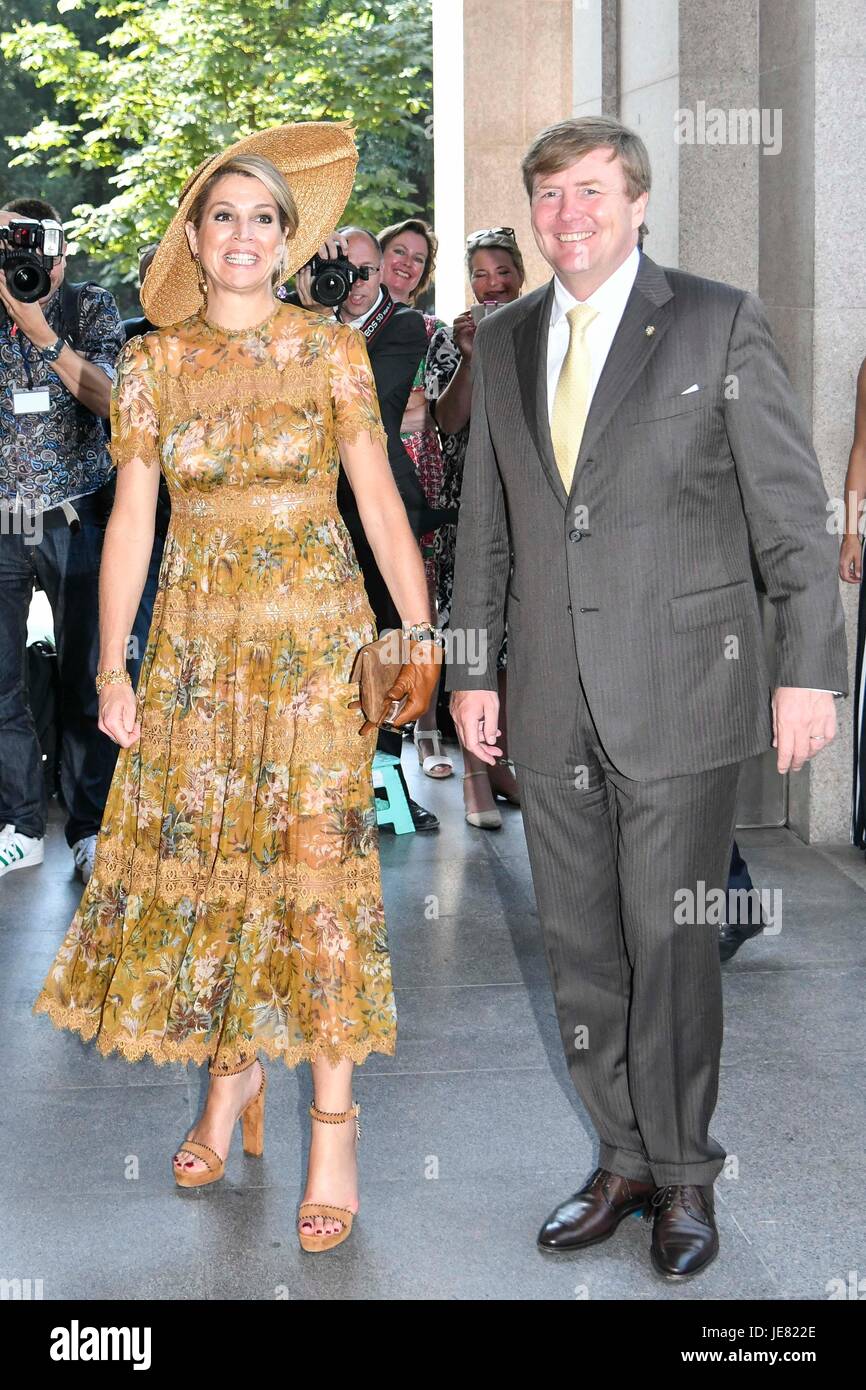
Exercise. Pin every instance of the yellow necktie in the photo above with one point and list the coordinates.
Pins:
(571, 402)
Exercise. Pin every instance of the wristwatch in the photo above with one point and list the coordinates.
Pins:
(51, 354)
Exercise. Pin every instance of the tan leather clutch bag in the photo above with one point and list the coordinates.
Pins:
(375, 668)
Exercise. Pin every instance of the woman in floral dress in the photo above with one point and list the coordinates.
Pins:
(408, 262)
(496, 274)
(235, 905)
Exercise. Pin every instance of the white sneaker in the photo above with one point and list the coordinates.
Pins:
(19, 851)
(84, 853)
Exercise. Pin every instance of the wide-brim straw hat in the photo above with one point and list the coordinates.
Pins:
(317, 159)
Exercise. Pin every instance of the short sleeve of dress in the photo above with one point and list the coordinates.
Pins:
(134, 416)
(353, 389)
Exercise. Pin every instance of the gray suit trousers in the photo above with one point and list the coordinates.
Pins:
(638, 992)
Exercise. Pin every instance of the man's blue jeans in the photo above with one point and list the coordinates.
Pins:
(66, 565)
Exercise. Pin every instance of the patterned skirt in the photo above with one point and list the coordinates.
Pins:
(235, 904)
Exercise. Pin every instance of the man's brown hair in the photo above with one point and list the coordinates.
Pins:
(565, 143)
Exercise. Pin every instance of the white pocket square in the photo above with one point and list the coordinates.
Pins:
(689, 389)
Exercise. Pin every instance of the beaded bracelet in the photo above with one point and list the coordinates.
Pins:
(425, 632)
(115, 677)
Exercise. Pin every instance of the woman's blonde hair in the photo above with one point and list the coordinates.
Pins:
(496, 241)
(253, 166)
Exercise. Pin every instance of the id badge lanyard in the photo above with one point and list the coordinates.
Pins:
(34, 400)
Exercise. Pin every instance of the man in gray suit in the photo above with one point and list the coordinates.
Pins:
(633, 429)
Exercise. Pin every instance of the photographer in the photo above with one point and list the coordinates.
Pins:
(57, 358)
(396, 340)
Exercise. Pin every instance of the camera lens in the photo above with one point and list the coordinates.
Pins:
(27, 280)
(330, 288)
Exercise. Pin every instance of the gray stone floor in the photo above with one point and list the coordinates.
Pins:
(471, 1133)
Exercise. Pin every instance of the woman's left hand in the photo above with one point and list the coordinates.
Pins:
(417, 678)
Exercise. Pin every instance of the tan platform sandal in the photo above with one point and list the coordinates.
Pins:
(310, 1210)
(252, 1119)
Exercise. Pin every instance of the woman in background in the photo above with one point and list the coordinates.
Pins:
(496, 274)
(408, 261)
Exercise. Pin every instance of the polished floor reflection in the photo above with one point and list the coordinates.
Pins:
(471, 1133)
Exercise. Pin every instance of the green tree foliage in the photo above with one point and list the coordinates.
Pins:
(130, 95)
(22, 105)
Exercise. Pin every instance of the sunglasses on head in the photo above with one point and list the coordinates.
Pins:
(506, 233)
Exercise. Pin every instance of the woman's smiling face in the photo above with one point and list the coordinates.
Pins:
(239, 239)
(403, 263)
(493, 275)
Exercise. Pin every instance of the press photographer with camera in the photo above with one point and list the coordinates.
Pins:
(58, 347)
(346, 277)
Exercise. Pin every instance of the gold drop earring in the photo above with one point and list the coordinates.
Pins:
(200, 277)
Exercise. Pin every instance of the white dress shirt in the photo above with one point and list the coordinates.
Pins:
(610, 301)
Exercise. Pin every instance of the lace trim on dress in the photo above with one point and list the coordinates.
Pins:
(350, 428)
(236, 388)
(220, 332)
(162, 1052)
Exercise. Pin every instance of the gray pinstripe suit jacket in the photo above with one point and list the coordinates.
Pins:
(640, 579)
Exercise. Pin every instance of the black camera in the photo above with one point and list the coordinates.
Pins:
(28, 250)
(331, 280)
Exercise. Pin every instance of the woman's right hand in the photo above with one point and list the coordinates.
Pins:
(117, 711)
(849, 560)
(464, 334)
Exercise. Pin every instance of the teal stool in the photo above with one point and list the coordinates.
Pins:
(395, 810)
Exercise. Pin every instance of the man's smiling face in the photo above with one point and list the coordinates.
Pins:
(364, 293)
(583, 220)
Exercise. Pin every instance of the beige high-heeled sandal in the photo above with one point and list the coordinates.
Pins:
(310, 1210)
(484, 820)
(252, 1119)
(435, 759)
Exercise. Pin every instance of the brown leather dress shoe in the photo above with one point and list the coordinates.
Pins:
(685, 1239)
(593, 1213)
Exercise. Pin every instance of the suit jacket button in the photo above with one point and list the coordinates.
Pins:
(570, 608)
(575, 535)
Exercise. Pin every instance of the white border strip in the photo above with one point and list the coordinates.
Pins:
(448, 164)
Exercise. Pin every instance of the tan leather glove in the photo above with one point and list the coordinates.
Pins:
(417, 678)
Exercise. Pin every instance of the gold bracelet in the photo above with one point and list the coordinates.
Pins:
(115, 677)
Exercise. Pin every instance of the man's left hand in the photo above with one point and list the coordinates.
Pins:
(804, 722)
(29, 317)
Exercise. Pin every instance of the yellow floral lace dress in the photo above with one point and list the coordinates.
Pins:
(235, 902)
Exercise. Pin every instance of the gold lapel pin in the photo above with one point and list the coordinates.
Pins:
(650, 329)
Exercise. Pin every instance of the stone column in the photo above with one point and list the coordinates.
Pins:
(718, 183)
(649, 95)
(838, 309)
(517, 79)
